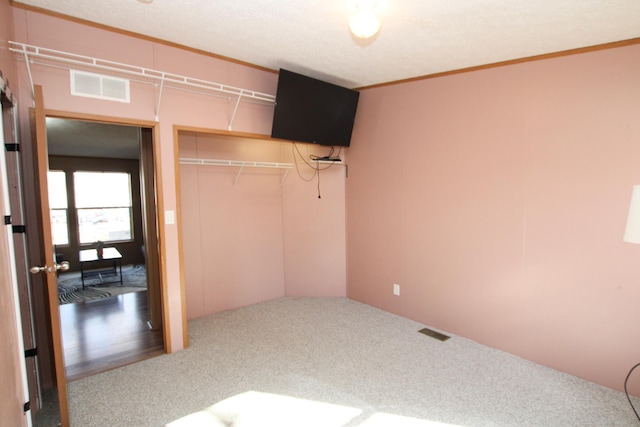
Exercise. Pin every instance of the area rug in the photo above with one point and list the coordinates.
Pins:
(134, 279)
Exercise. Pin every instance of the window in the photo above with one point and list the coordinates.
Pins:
(103, 206)
(58, 207)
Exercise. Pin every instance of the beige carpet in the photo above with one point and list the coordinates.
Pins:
(335, 362)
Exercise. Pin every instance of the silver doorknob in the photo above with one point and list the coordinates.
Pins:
(63, 266)
(36, 269)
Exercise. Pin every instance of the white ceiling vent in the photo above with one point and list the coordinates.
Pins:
(99, 86)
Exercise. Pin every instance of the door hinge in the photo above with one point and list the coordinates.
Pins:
(18, 229)
(7, 219)
(32, 352)
(12, 147)
(26, 407)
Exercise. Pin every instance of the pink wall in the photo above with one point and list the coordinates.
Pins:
(497, 199)
(314, 227)
(7, 62)
(258, 240)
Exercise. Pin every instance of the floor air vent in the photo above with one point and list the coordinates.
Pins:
(434, 334)
(99, 86)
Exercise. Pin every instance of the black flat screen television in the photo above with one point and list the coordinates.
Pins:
(311, 110)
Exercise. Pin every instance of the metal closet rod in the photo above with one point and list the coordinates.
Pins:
(33, 53)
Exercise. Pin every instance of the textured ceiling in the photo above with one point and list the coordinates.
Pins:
(88, 139)
(418, 37)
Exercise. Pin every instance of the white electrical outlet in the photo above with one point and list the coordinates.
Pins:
(396, 289)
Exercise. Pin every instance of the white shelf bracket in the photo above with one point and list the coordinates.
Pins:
(235, 110)
(27, 61)
(235, 181)
(159, 98)
(284, 176)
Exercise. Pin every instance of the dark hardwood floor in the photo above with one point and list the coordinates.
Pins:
(107, 333)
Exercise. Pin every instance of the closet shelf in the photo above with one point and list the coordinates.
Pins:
(238, 163)
(55, 58)
(215, 162)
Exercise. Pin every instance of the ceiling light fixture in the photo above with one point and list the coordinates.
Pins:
(365, 22)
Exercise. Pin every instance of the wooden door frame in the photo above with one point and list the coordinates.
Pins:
(160, 261)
